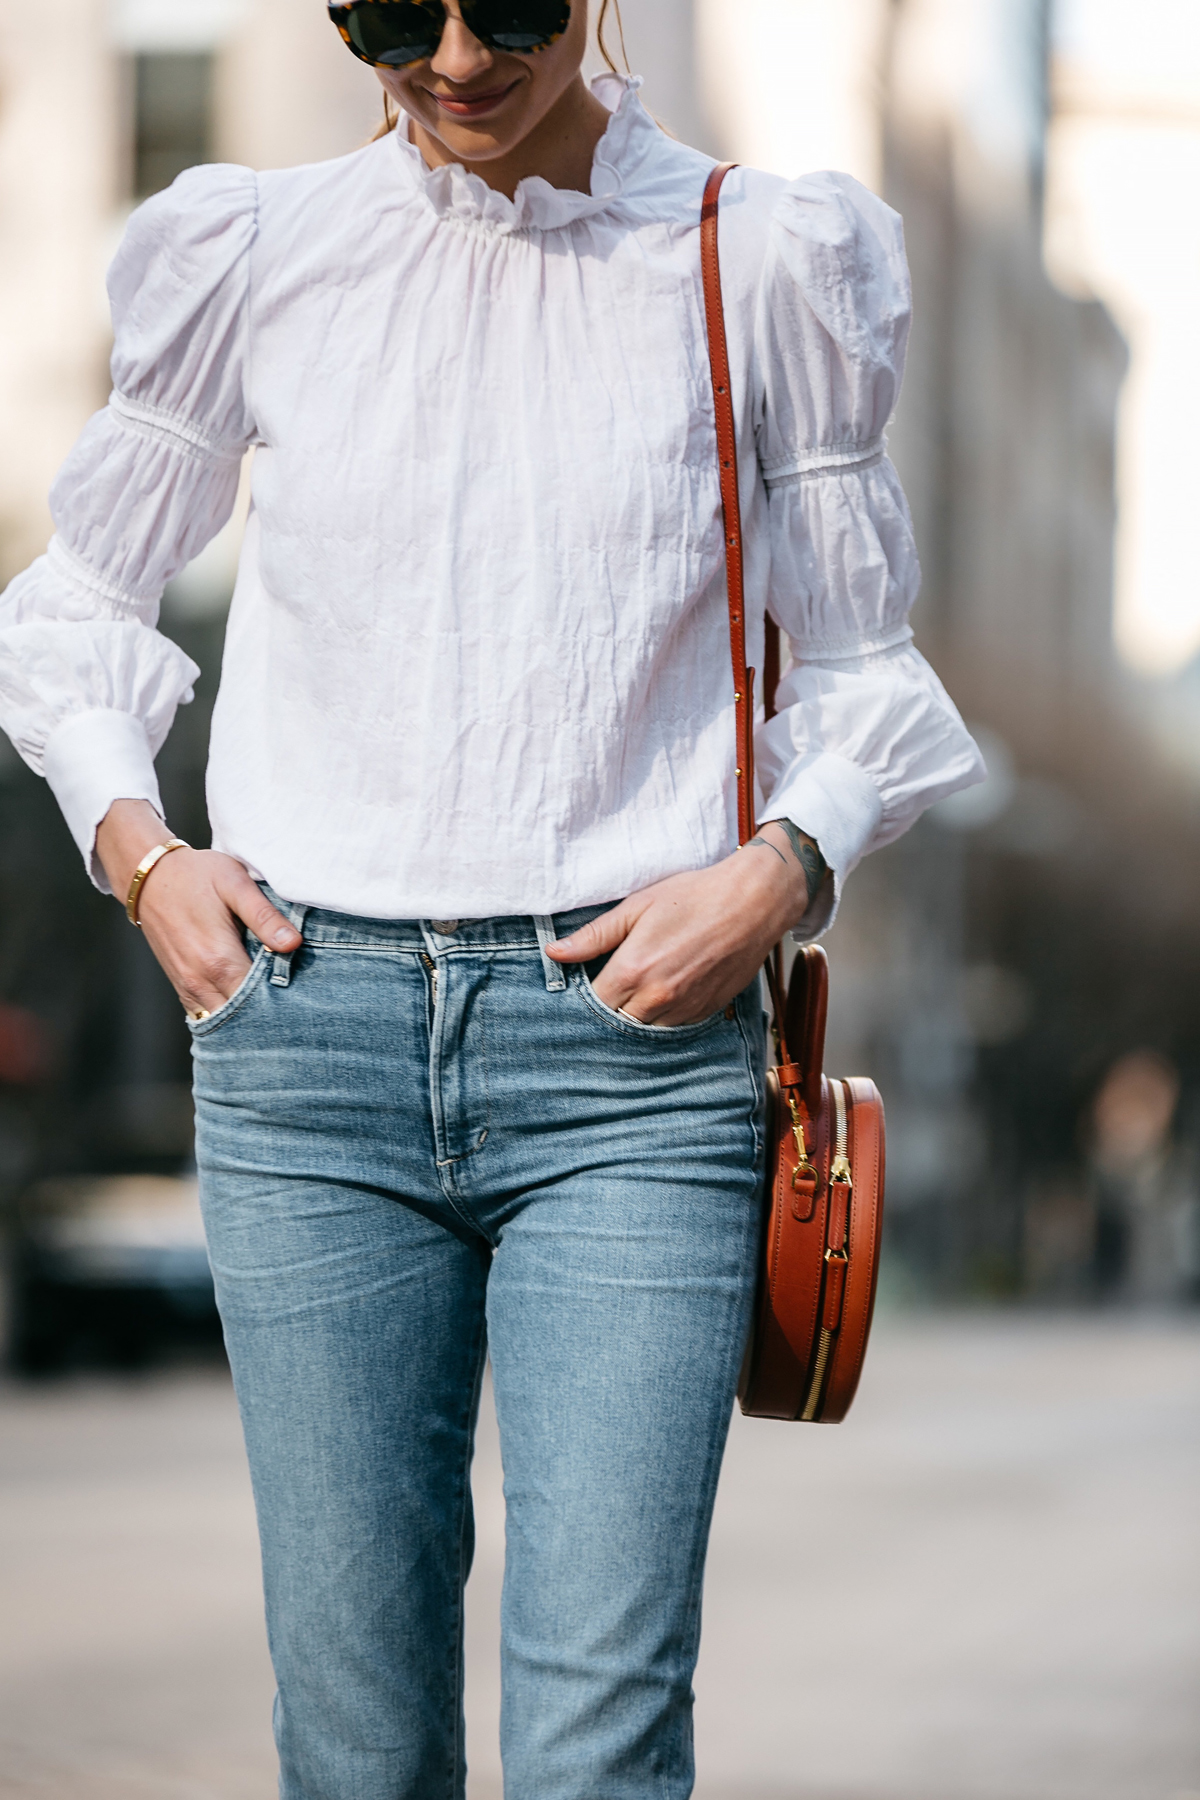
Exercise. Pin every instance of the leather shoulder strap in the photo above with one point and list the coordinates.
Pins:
(731, 513)
(731, 505)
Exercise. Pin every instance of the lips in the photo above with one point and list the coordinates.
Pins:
(472, 106)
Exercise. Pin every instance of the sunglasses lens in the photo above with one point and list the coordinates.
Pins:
(392, 33)
(517, 24)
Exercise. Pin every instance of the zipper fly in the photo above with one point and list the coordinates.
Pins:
(432, 967)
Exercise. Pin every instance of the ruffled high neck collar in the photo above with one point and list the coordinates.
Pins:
(454, 193)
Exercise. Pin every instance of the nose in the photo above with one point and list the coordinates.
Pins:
(460, 56)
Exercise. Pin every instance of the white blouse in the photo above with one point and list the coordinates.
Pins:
(477, 659)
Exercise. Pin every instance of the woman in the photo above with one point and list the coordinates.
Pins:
(471, 969)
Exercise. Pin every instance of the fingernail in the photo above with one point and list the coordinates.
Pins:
(283, 937)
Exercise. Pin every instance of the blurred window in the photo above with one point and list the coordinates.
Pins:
(173, 110)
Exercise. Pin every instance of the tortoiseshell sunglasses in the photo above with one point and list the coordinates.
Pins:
(392, 33)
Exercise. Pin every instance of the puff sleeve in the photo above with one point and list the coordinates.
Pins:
(88, 686)
(865, 737)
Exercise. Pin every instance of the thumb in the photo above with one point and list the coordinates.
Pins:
(595, 939)
(248, 902)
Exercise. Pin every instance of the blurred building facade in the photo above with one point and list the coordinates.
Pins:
(94, 1064)
(992, 968)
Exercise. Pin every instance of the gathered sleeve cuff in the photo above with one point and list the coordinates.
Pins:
(91, 760)
(865, 736)
(835, 803)
(857, 751)
(88, 686)
(88, 704)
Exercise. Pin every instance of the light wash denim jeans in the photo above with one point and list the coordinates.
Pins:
(417, 1145)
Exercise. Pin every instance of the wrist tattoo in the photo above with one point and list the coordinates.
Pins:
(815, 867)
(807, 855)
(761, 843)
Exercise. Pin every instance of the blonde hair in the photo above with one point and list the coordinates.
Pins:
(616, 6)
(391, 112)
(391, 118)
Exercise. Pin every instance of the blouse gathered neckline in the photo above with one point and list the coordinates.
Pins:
(477, 658)
(453, 192)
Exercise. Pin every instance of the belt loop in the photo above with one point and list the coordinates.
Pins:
(281, 966)
(556, 979)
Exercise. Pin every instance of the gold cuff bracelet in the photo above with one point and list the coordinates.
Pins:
(143, 869)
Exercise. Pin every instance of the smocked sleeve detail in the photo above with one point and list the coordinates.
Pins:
(865, 737)
(88, 686)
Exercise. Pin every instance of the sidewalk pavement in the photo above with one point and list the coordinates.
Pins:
(984, 1586)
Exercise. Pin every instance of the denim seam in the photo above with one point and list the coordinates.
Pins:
(456, 1162)
(448, 1165)
(458, 1761)
(376, 949)
(756, 1092)
(716, 1454)
(397, 950)
(480, 949)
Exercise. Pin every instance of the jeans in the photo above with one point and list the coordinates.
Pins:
(420, 1144)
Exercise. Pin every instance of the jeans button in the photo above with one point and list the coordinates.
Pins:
(444, 927)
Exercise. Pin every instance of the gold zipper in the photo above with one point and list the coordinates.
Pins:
(432, 967)
(818, 1380)
(839, 1170)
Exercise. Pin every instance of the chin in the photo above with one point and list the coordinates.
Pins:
(476, 146)
(474, 140)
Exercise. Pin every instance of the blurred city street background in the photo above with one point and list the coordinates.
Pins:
(986, 1584)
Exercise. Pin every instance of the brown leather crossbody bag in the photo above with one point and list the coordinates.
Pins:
(825, 1137)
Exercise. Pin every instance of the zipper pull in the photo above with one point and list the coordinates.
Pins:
(806, 1181)
(840, 1167)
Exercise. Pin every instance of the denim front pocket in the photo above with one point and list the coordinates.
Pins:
(639, 1027)
(253, 976)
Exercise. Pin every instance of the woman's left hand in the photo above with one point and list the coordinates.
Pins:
(687, 946)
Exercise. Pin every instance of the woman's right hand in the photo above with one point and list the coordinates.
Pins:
(189, 907)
